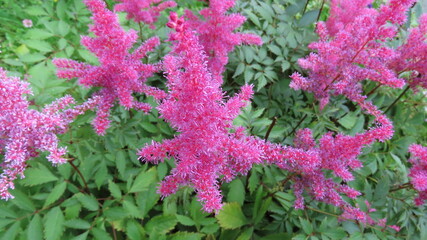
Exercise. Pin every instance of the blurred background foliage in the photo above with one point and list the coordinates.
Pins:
(105, 192)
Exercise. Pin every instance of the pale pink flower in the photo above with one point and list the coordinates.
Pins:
(27, 23)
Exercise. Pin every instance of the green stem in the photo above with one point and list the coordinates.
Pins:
(397, 99)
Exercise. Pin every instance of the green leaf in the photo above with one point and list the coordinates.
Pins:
(186, 236)
(236, 192)
(114, 189)
(151, 128)
(306, 226)
(82, 236)
(39, 45)
(134, 230)
(246, 234)
(115, 213)
(38, 34)
(56, 193)
(231, 216)
(143, 180)
(12, 231)
(77, 224)
(348, 121)
(308, 18)
(100, 234)
(32, 58)
(35, 228)
(88, 201)
(275, 49)
(239, 70)
(184, 220)
(161, 224)
(53, 225)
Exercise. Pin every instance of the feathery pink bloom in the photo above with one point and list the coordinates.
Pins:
(352, 47)
(216, 33)
(418, 172)
(120, 73)
(208, 147)
(413, 56)
(24, 131)
(146, 11)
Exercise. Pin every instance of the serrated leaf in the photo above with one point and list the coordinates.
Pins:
(134, 230)
(36, 176)
(186, 236)
(114, 189)
(236, 192)
(39, 45)
(63, 28)
(77, 224)
(82, 236)
(88, 201)
(56, 193)
(239, 69)
(184, 220)
(161, 224)
(246, 234)
(35, 228)
(32, 58)
(100, 234)
(143, 180)
(348, 121)
(12, 231)
(115, 213)
(53, 225)
(151, 128)
(231, 216)
(306, 226)
(308, 18)
(275, 49)
(38, 34)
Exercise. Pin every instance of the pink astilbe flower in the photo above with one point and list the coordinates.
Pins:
(207, 147)
(413, 56)
(146, 11)
(24, 131)
(216, 33)
(418, 171)
(316, 168)
(120, 73)
(353, 48)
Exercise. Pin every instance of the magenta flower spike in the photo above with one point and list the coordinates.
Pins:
(207, 146)
(418, 172)
(146, 11)
(120, 73)
(216, 33)
(24, 131)
(351, 49)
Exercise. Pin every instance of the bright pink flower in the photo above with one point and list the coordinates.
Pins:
(418, 171)
(24, 131)
(207, 147)
(352, 48)
(146, 11)
(120, 73)
(216, 33)
(413, 56)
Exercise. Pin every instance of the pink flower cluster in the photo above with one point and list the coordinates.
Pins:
(24, 131)
(412, 56)
(207, 147)
(216, 33)
(352, 47)
(418, 172)
(146, 11)
(120, 73)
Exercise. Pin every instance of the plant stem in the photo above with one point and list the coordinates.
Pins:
(403, 186)
(270, 128)
(320, 10)
(397, 99)
(80, 174)
(140, 32)
(294, 129)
